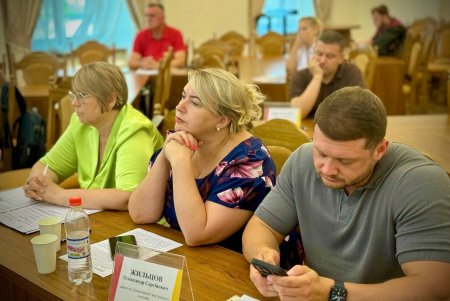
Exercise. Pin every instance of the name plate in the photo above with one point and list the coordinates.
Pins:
(291, 114)
(135, 279)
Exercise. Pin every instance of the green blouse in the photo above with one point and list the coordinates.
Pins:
(133, 139)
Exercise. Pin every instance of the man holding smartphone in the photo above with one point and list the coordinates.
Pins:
(374, 216)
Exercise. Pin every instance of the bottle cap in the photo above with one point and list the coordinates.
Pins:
(75, 201)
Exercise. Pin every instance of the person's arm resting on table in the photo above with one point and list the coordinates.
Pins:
(179, 59)
(129, 171)
(137, 61)
(423, 280)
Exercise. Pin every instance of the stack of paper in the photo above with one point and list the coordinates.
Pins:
(22, 213)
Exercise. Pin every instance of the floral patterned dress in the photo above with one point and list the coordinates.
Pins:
(241, 180)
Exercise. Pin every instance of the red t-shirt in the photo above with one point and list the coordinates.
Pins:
(146, 45)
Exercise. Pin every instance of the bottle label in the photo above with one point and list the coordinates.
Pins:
(78, 248)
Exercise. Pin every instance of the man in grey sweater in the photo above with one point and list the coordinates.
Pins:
(374, 216)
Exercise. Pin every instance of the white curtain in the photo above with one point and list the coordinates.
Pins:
(323, 10)
(137, 8)
(254, 10)
(20, 18)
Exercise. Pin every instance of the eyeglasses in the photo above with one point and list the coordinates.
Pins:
(79, 95)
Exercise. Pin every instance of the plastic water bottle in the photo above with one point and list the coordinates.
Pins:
(79, 259)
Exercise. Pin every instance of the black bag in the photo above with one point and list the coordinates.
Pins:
(30, 145)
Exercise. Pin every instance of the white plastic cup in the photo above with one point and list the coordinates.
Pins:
(51, 225)
(44, 252)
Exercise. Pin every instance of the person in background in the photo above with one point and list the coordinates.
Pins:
(327, 72)
(302, 50)
(106, 144)
(390, 33)
(151, 43)
(374, 216)
(211, 173)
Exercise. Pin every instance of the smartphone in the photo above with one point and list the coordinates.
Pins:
(128, 239)
(265, 268)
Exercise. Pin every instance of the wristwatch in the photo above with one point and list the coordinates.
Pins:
(338, 292)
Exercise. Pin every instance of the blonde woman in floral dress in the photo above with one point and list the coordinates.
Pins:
(211, 174)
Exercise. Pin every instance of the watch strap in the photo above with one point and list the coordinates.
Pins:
(338, 291)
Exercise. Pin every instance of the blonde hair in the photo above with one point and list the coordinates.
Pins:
(224, 94)
(101, 79)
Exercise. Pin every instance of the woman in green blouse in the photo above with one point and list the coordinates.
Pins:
(107, 143)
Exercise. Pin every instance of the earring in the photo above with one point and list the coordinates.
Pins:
(218, 128)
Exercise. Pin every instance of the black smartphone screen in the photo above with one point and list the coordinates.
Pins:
(265, 268)
(128, 239)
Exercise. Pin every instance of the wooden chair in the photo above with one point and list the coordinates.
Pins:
(279, 155)
(448, 94)
(365, 59)
(38, 68)
(59, 111)
(162, 85)
(236, 42)
(168, 123)
(281, 132)
(211, 53)
(441, 51)
(92, 51)
(409, 87)
(439, 63)
(271, 44)
(426, 29)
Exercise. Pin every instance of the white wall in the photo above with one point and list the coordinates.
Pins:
(201, 20)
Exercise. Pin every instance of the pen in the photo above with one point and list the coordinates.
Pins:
(45, 170)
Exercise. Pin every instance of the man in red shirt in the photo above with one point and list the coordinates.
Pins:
(151, 43)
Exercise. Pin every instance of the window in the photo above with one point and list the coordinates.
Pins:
(67, 24)
(282, 16)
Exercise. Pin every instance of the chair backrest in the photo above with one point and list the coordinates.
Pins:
(39, 67)
(365, 59)
(59, 111)
(442, 46)
(415, 57)
(168, 123)
(281, 132)
(210, 61)
(163, 84)
(279, 155)
(271, 44)
(236, 42)
(93, 51)
(411, 37)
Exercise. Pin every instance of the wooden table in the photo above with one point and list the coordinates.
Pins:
(429, 134)
(216, 273)
(268, 73)
(387, 83)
